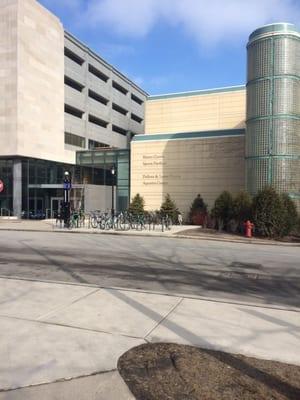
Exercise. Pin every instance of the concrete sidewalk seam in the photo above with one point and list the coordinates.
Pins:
(67, 305)
(60, 380)
(163, 318)
(184, 296)
(71, 327)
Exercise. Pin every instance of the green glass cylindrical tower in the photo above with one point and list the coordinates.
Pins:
(273, 110)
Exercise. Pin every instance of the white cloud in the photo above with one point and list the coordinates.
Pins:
(208, 22)
(130, 17)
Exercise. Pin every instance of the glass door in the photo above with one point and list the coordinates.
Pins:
(55, 206)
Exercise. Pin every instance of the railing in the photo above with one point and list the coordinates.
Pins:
(5, 212)
(128, 221)
(103, 220)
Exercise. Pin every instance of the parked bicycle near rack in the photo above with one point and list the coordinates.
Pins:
(128, 221)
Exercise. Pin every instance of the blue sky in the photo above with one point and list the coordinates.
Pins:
(173, 45)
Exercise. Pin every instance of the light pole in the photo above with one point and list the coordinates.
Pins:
(66, 204)
(113, 171)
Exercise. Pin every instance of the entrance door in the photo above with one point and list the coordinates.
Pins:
(36, 208)
(55, 206)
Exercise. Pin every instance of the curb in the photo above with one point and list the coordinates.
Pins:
(159, 235)
(250, 241)
(184, 296)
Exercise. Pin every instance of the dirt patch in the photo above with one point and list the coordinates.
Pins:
(176, 372)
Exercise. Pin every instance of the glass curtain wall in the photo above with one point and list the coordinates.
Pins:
(38, 201)
(6, 196)
(101, 163)
(42, 202)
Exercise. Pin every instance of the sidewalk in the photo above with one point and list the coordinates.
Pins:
(52, 332)
(49, 225)
(178, 231)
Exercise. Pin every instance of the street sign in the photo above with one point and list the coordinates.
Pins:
(1, 186)
(67, 185)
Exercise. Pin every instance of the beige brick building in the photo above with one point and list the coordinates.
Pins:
(236, 138)
(194, 143)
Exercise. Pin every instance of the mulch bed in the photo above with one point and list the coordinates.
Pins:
(176, 372)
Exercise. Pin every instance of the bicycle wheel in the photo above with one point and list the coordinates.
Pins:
(108, 225)
(102, 224)
(125, 226)
(94, 222)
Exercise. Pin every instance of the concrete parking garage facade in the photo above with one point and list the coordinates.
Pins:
(57, 97)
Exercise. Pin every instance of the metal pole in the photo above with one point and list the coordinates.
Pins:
(113, 171)
(112, 201)
(66, 205)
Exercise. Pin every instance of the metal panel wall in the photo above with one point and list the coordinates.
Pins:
(273, 110)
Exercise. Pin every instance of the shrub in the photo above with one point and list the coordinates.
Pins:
(297, 227)
(137, 205)
(289, 213)
(274, 214)
(198, 211)
(169, 208)
(223, 210)
(242, 211)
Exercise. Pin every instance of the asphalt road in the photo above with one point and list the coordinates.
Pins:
(241, 272)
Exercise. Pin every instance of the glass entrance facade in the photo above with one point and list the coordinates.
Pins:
(102, 161)
(6, 196)
(42, 182)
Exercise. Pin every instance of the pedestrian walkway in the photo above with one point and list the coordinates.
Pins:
(55, 331)
(179, 231)
(50, 225)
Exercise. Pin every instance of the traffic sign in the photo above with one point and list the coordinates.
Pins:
(1, 186)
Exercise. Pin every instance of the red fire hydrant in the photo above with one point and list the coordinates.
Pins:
(248, 228)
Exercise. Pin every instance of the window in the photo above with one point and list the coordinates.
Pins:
(119, 88)
(74, 140)
(136, 99)
(98, 73)
(73, 111)
(97, 121)
(119, 109)
(136, 118)
(73, 84)
(97, 97)
(117, 129)
(93, 144)
(74, 57)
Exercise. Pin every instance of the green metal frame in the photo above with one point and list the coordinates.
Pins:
(284, 28)
(189, 135)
